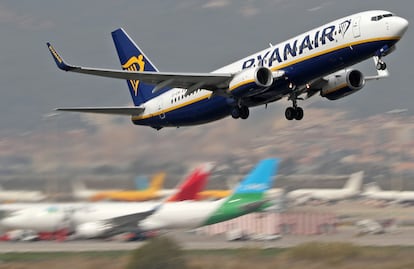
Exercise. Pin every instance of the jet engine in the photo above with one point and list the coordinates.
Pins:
(342, 83)
(92, 229)
(251, 81)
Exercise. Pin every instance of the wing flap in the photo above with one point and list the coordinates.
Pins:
(127, 111)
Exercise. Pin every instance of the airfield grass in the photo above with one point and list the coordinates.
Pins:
(307, 256)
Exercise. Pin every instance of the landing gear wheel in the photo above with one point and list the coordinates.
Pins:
(381, 65)
(294, 113)
(290, 113)
(235, 112)
(299, 113)
(244, 112)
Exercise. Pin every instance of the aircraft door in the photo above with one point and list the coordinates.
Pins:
(356, 27)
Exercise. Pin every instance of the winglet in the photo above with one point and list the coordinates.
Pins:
(58, 60)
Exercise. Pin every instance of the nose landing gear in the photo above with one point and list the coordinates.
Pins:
(381, 65)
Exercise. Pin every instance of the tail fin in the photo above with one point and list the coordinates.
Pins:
(193, 184)
(133, 59)
(250, 195)
(260, 179)
(141, 183)
(157, 181)
(355, 181)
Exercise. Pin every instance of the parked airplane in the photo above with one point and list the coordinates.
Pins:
(351, 188)
(21, 196)
(317, 61)
(249, 196)
(374, 192)
(154, 191)
(81, 192)
(104, 219)
(91, 219)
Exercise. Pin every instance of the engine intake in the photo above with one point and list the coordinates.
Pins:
(251, 81)
(343, 83)
(92, 229)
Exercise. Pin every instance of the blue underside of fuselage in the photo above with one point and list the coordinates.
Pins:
(218, 107)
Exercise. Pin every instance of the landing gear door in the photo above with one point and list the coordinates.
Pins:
(356, 27)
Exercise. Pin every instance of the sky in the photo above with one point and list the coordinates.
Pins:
(181, 36)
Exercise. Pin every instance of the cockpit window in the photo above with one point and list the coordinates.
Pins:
(377, 18)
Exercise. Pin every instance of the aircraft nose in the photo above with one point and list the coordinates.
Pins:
(401, 25)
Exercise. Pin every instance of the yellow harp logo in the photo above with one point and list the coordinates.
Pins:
(135, 64)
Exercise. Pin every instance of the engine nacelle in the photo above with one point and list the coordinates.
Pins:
(92, 229)
(251, 81)
(343, 83)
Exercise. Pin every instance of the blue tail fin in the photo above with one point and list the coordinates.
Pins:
(260, 179)
(133, 59)
(141, 183)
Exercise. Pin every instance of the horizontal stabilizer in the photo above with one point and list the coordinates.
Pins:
(128, 111)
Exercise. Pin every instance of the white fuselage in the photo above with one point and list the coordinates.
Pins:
(185, 214)
(395, 196)
(352, 188)
(21, 196)
(52, 217)
(321, 194)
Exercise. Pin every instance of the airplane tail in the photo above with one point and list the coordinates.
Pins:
(355, 181)
(141, 183)
(133, 59)
(259, 180)
(250, 195)
(157, 181)
(193, 184)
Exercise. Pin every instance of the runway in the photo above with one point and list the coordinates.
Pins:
(403, 237)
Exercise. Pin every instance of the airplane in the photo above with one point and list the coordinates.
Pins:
(154, 191)
(141, 182)
(373, 192)
(88, 220)
(81, 192)
(249, 196)
(351, 189)
(21, 196)
(317, 61)
(91, 220)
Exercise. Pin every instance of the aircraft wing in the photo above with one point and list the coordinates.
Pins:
(125, 223)
(132, 111)
(192, 81)
(132, 219)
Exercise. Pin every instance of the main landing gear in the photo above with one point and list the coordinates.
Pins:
(241, 112)
(294, 112)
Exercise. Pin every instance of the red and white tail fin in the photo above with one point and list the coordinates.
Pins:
(193, 184)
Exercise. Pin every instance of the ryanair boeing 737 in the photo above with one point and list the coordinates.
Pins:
(317, 61)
